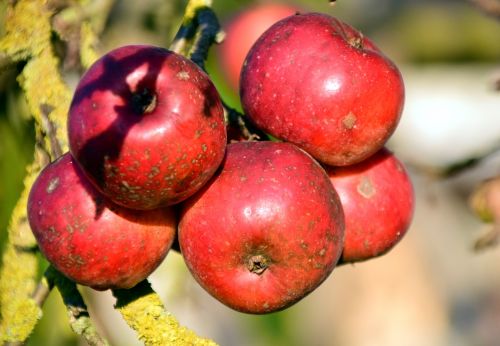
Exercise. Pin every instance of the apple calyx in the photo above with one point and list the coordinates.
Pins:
(257, 264)
(144, 101)
(356, 42)
(354, 39)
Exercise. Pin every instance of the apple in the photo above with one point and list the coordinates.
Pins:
(241, 33)
(147, 127)
(315, 81)
(90, 239)
(265, 231)
(378, 201)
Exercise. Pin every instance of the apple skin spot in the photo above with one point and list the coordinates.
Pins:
(365, 188)
(53, 184)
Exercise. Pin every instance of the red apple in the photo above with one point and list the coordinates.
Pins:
(378, 202)
(147, 126)
(241, 33)
(317, 82)
(265, 231)
(90, 239)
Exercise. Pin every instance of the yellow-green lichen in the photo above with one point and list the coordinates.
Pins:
(28, 37)
(48, 99)
(144, 312)
(19, 313)
(88, 43)
(183, 41)
(95, 16)
(78, 315)
(192, 8)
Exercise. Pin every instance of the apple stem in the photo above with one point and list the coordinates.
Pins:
(199, 31)
(489, 239)
(209, 32)
(257, 264)
(356, 42)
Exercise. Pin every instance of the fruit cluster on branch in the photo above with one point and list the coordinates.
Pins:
(29, 26)
(153, 155)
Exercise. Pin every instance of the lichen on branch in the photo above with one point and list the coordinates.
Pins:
(79, 26)
(19, 311)
(79, 318)
(144, 312)
(200, 29)
(48, 97)
(29, 26)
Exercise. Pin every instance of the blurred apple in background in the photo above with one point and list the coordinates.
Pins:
(241, 33)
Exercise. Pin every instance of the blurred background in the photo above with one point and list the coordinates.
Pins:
(432, 288)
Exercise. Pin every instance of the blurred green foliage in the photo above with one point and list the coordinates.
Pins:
(453, 32)
(16, 148)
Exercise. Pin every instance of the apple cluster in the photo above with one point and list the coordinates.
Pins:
(260, 224)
